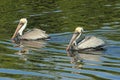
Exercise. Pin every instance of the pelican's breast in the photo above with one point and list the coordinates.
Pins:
(91, 42)
(34, 34)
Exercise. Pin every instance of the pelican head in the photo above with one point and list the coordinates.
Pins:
(21, 26)
(77, 33)
(79, 29)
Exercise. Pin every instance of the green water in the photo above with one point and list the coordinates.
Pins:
(48, 60)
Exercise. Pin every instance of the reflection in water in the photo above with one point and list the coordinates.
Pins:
(26, 46)
(81, 58)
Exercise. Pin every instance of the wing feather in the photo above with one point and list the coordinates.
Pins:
(91, 42)
(34, 34)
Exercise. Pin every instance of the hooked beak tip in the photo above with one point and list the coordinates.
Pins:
(12, 40)
(68, 48)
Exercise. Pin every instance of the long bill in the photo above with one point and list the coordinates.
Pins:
(16, 31)
(74, 37)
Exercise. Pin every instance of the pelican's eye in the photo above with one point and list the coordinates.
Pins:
(76, 33)
(21, 23)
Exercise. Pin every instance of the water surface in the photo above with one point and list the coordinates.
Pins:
(48, 60)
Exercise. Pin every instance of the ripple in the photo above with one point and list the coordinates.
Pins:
(5, 78)
(20, 72)
(52, 61)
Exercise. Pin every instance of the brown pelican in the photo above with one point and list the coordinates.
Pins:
(87, 43)
(34, 34)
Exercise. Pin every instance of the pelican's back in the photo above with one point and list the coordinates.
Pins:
(91, 42)
(35, 34)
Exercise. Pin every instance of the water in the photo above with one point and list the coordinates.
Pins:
(48, 60)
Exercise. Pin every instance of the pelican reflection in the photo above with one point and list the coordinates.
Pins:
(79, 59)
(27, 46)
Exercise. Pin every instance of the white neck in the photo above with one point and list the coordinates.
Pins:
(77, 38)
(22, 28)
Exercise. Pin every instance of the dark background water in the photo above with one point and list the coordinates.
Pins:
(48, 60)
